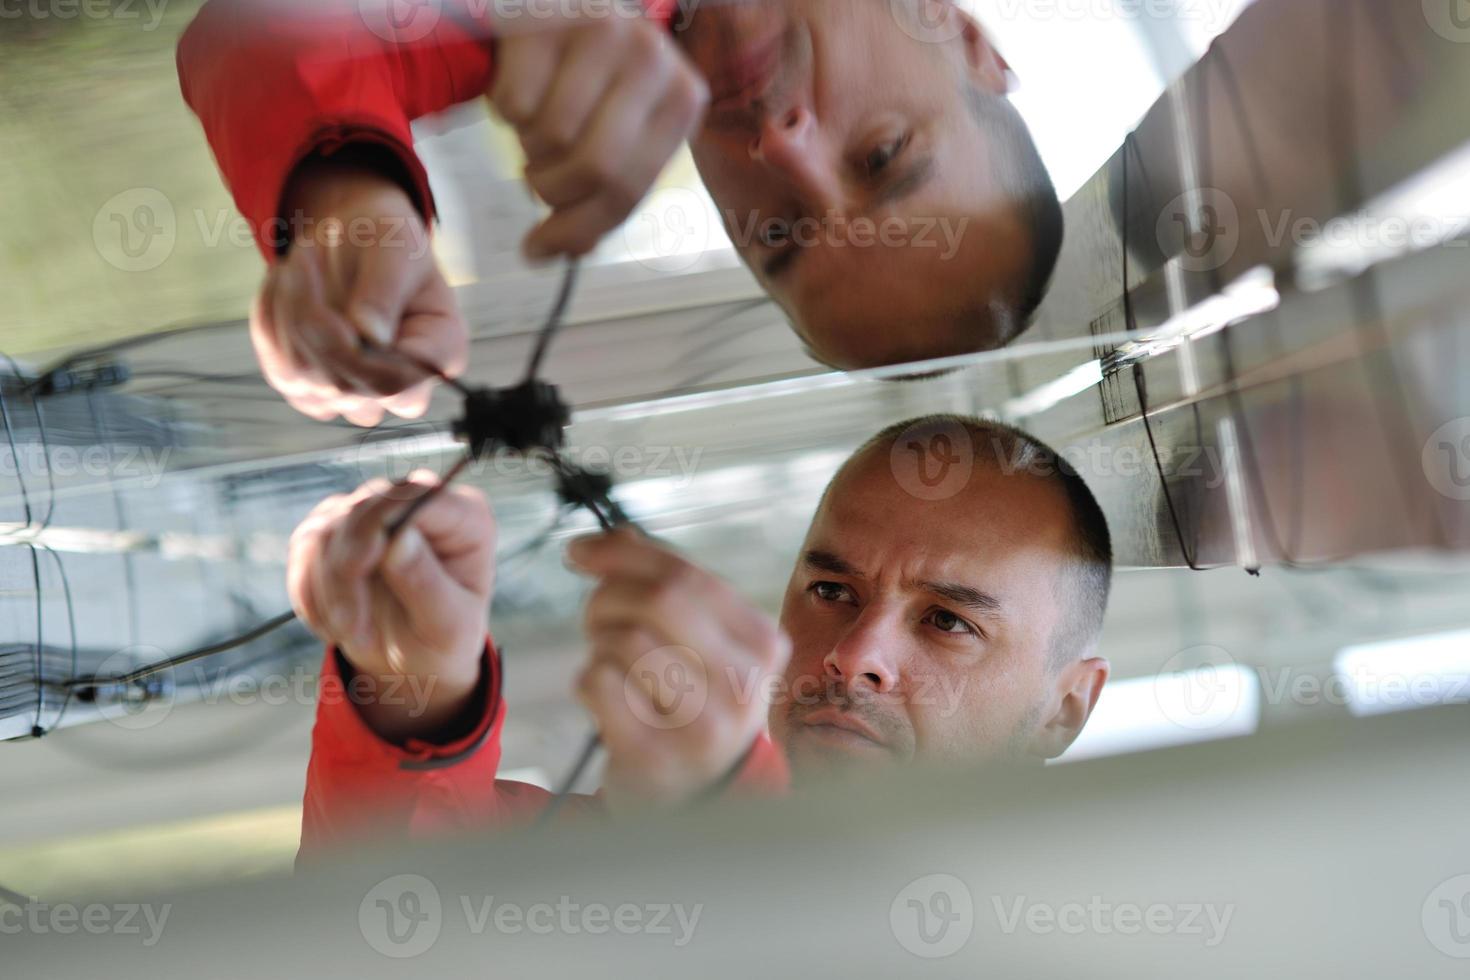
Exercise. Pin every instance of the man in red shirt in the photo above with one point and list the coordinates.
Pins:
(863, 154)
(934, 615)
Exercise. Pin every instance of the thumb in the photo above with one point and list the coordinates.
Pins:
(420, 582)
(386, 279)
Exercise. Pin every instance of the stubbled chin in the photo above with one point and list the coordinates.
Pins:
(818, 750)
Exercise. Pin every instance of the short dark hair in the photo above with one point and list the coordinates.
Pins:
(1088, 581)
(1023, 174)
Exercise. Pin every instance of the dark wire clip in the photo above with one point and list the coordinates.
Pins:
(531, 418)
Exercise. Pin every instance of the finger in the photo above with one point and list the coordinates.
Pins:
(434, 331)
(577, 229)
(304, 551)
(589, 63)
(263, 335)
(456, 523)
(618, 141)
(413, 403)
(361, 411)
(618, 607)
(384, 279)
(602, 690)
(297, 336)
(433, 600)
(661, 671)
(350, 557)
(335, 348)
(527, 66)
(626, 551)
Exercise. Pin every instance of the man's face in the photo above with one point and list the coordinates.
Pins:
(851, 173)
(921, 630)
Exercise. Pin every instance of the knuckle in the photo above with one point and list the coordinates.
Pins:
(691, 92)
(645, 42)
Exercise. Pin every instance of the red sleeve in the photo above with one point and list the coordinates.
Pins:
(359, 786)
(276, 81)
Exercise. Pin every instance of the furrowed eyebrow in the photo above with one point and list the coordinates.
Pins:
(826, 561)
(964, 595)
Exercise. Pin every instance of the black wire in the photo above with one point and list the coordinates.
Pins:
(553, 321)
(119, 511)
(1349, 193)
(1140, 387)
(45, 445)
(25, 496)
(127, 343)
(71, 621)
(40, 639)
(199, 653)
(569, 782)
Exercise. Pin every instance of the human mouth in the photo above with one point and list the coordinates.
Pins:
(839, 728)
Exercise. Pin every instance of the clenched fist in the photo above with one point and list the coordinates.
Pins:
(680, 664)
(600, 105)
(341, 320)
(413, 608)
